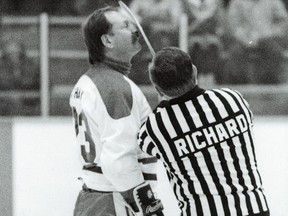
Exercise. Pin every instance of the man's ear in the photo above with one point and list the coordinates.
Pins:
(106, 40)
(195, 71)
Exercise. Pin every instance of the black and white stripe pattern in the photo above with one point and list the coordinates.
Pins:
(207, 146)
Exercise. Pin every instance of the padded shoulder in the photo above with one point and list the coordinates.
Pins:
(115, 91)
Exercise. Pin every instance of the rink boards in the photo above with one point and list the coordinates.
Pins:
(39, 166)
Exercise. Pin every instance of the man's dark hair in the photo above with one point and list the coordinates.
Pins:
(172, 72)
(95, 26)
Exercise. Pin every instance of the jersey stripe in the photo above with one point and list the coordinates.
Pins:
(194, 114)
(241, 104)
(187, 116)
(229, 100)
(182, 121)
(165, 136)
(168, 125)
(245, 139)
(241, 171)
(207, 146)
(184, 177)
(218, 104)
(207, 110)
(212, 160)
(158, 139)
(203, 183)
(228, 176)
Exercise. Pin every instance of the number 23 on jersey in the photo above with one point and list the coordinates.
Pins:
(83, 134)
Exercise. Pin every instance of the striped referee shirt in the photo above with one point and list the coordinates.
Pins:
(206, 143)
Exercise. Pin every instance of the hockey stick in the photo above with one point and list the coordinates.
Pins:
(126, 8)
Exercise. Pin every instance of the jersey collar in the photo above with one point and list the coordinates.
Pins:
(196, 91)
(121, 67)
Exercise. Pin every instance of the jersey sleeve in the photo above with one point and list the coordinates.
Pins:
(145, 141)
(145, 109)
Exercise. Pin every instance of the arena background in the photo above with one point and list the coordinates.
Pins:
(39, 169)
(39, 172)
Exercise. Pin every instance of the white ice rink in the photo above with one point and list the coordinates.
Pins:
(45, 167)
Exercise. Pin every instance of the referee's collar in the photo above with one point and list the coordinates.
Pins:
(196, 91)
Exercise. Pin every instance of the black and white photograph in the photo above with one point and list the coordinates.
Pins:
(143, 107)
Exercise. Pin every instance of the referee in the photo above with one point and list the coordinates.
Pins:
(205, 140)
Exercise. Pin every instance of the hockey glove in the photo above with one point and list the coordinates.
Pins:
(142, 200)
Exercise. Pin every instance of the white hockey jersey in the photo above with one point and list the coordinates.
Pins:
(108, 110)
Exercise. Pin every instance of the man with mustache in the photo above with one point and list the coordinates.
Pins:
(108, 109)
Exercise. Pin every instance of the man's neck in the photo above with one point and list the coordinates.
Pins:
(125, 59)
(122, 67)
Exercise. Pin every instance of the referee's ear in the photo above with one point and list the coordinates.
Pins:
(161, 95)
(158, 91)
(195, 73)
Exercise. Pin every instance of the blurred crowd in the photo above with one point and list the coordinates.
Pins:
(234, 41)
(18, 73)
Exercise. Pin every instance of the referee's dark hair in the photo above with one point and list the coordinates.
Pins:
(94, 27)
(172, 72)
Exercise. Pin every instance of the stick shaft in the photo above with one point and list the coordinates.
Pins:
(126, 8)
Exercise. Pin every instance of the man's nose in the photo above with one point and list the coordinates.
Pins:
(134, 27)
(136, 33)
